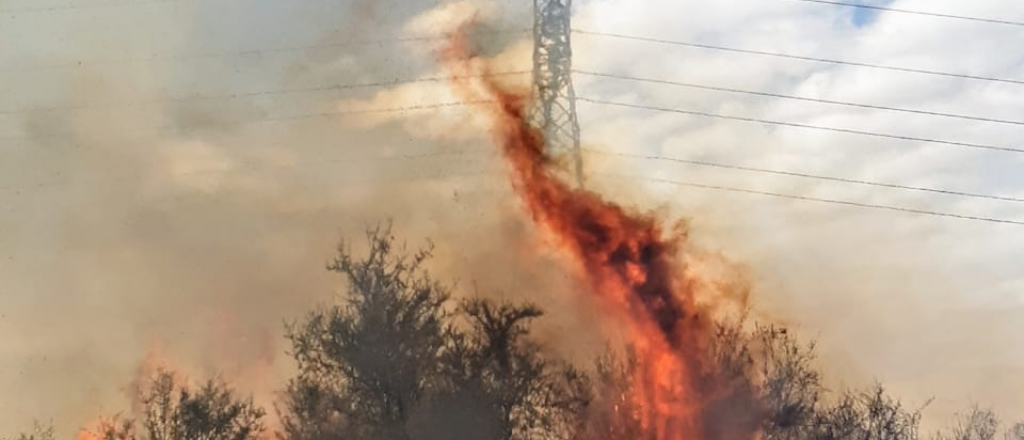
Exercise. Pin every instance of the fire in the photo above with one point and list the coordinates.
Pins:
(156, 361)
(105, 429)
(632, 266)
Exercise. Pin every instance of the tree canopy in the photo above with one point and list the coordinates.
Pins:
(397, 358)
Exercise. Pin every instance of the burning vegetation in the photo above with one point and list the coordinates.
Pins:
(400, 359)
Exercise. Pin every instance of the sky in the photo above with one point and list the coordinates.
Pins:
(176, 173)
(865, 16)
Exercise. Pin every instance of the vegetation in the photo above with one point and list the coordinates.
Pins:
(399, 359)
(395, 362)
(38, 432)
(171, 411)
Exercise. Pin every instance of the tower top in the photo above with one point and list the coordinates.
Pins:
(554, 111)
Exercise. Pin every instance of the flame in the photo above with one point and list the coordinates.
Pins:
(88, 434)
(632, 266)
(157, 360)
(105, 429)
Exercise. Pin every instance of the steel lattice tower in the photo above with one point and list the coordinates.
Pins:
(555, 109)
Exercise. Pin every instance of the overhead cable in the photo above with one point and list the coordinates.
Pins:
(816, 199)
(253, 52)
(800, 125)
(327, 114)
(259, 93)
(800, 57)
(800, 98)
(806, 175)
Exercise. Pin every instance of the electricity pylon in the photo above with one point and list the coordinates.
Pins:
(554, 111)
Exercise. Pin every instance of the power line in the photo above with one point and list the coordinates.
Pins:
(251, 52)
(226, 54)
(799, 57)
(817, 199)
(807, 126)
(800, 98)
(304, 164)
(228, 96)
(808, 176)
(86, 6)
(908, 11)
(108, 4)
(401, 182)
(157, 130)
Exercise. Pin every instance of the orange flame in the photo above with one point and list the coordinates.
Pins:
(633, 268)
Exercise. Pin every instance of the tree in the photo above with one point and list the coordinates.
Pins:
(38, 432)
(398, 360)
(395, 361)
(535, 396)
(313, 408)
(171, 411)
(1016, 432)
(367, 364)
(976, 424)
(866, 415)
(777, 369)
(790, 386)
(612, 413)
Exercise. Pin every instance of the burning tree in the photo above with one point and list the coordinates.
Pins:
(788, 384)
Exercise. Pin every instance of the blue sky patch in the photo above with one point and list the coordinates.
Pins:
(864, 17)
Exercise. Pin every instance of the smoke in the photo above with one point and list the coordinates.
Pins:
(145, 219)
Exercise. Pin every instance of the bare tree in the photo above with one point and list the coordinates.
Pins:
(1016, 432)
(866, 415)
(976, 424)
(790, 384)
